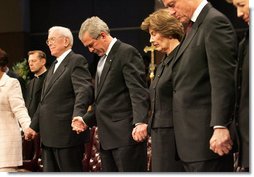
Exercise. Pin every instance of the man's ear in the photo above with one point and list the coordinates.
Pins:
(44, 61)
(66, 42)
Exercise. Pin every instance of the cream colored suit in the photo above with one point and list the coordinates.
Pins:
(12, 113)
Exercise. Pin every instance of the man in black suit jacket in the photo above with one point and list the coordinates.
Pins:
(121, 100)
(67, 92)
(203, 87)
(242, 94)
(37, 64)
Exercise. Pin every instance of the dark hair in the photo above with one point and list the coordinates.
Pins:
(3, 58)
(40, 53)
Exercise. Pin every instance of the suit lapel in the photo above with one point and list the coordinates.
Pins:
(49, 82)
(96, 83)
(104, 74)
(106, 68)
(187, 39)
(159, 72)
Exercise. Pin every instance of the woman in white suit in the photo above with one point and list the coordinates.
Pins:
(13, 114)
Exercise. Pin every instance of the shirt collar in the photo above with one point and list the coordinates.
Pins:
(37, 76)
(61, 58)
(110, 45)
(198, 10)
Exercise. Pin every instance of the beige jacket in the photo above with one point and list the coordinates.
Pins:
(12, 114)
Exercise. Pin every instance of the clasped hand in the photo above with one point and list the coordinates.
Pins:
(221, 142)
(139, 132)
(78, 124)
(29, 134)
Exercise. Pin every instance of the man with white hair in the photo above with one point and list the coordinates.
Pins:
(67, 92)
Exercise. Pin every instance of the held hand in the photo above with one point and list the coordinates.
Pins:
(139, 133)
(221, 142)
(29, 134)
(78, 125)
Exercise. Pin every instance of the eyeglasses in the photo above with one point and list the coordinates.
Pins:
(52, 40)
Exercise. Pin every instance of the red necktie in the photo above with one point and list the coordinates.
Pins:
(188, 29)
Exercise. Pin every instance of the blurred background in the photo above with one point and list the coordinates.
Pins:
(24, 24)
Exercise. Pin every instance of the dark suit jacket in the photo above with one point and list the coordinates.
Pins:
(203, 84)
(242, 103)
(121, 98)
(67, 94)
(161, 92)
(33, 93)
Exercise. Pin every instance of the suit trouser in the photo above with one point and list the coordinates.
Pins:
(131, 158)
(221, 164)
(63, 159)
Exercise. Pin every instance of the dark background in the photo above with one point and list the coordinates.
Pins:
(24, 24)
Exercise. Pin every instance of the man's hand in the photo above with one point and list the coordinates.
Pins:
(139, 133)
(29, 134)
(78, 124)
(221, 142)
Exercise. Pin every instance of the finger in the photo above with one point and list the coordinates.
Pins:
(231, 142)
(212, 147)
(134, 131)
(135, 138)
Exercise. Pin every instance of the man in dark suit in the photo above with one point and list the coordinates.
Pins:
(37, 64)
(203, 87)
(121, 100)
(242, 94)
(67, 92)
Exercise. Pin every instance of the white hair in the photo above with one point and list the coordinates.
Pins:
(63, 31)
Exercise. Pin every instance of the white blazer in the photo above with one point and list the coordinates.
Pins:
(12, 114)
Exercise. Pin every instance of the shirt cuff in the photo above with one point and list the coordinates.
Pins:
(218, 126)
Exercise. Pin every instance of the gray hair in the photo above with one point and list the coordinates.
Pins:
(94, 26)
(66, 32)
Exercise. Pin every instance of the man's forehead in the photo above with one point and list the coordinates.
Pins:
(86, 38)
(33, 56)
